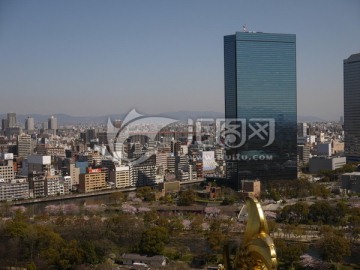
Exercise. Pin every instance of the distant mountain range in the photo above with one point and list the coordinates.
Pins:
(64, 119)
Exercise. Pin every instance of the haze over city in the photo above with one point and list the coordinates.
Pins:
(192, 134)
(94, 58)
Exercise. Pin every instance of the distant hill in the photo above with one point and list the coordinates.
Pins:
(65, 119)
(185, 115)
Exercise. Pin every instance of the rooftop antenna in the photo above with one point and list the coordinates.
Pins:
(245, 29)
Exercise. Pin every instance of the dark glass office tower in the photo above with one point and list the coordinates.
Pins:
(260, 92)
(352, 107)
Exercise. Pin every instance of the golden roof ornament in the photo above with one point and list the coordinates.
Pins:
(259, 249)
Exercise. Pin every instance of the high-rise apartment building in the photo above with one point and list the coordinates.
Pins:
(303, 153)
(74, 174)
(352, 107)
(89, 135)
(143, 174)
(24, 145)
(260, 106)
(29, 124)
(302, 129)
(11, 120)
(4, 124)
(52, 124)
(45, 125)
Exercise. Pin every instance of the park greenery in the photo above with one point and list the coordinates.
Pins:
(95, 236)
(320, 212)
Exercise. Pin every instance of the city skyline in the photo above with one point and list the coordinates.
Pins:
(97, 59)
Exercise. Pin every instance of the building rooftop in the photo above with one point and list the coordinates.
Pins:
(326, 157)
(353, 58)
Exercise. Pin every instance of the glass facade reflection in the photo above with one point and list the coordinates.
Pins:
(352, 107)
(260, 91)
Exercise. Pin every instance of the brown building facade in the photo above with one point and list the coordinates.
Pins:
(92, 181)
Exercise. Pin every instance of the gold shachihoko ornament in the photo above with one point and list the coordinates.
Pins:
(258, 249)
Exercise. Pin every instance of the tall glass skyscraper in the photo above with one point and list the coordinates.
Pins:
(352, 107)
(260, 106)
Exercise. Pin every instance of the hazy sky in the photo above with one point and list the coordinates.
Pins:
(100, 57)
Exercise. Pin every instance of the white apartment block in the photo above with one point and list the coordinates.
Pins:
(121, 176)
(16, 189)
(7, 173)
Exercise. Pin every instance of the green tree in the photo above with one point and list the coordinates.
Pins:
(91, 255)
(216, 240)
(272, 225)
(153, 240)
(297, 213)
(186, 198)
(117, 197)
(196, 224)
(131, 230)
(31, 266)
(167, 199)
(70, 255)
(354, 218)
(355, 234)
(333, 248)
(275, 195)
(150, 217)
(341, 210)
(289, 253)
(322, 212)
(320, 190)
(175, 226)
(17, 227)
(162, 222)
(228, 201)
(146, 193)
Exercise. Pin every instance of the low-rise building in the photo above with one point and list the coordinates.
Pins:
(52, 186)
(37, 187)
(15, 189)
(209, 192)
(93, 180)
(251, 187)
(120, 176)
(65, 184)
(55, 151)
(337, 147)
(351, 182)
(137, 260)
(169, 187)
(318, 164)
(324, 149)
